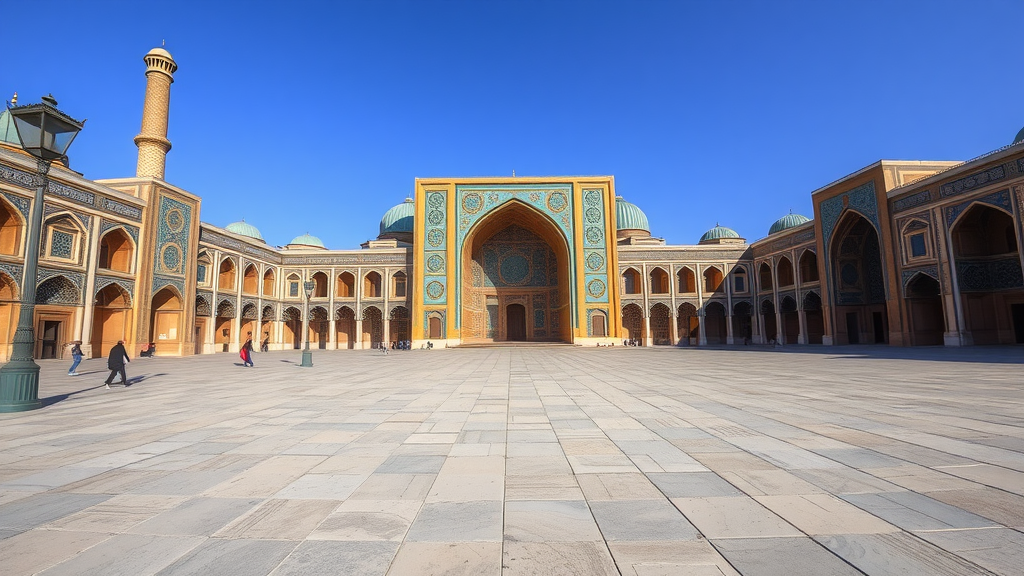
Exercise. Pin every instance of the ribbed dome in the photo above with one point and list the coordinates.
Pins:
(629, 216)
(1018, 137)
(245, 229)
(719, 232)
(786, 222)
(398, 219)
(307, 240)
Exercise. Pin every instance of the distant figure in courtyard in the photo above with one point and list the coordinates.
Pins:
(246, 352)
(148, 351)
(384, 347)
(115, 362)
(265, 345)
(76, 357)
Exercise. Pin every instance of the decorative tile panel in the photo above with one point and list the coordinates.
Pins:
(435, 254)
(976, 180)
(912, 201)
(595, 255)
(174, 221)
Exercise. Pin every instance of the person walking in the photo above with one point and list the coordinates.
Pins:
(246, 352)
(76, 356)
(115, 362)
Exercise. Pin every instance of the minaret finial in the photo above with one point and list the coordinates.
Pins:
(513, 172)
(14, 99)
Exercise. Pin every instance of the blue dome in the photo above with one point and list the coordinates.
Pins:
(1018, 137)
(399, 219)
(307, 240)
(786, 222)
(245, 229)
(629, 216)
(719, 232)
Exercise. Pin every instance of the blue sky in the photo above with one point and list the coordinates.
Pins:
(317, 116)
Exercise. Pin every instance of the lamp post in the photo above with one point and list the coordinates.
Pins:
(46, 133)
(307, 355)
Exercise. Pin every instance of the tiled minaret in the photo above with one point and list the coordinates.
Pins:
(152, 140)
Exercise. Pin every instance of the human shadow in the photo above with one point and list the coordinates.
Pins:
(997, 354)
(51, 400)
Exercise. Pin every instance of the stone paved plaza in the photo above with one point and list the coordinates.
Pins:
(543, 460)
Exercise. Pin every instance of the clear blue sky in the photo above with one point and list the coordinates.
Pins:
(317, 116)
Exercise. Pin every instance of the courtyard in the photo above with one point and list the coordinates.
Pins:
(531, 460)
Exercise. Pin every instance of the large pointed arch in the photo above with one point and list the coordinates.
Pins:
(857, 282)
(516, 237)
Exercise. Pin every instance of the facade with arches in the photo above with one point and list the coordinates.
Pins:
(899, 253)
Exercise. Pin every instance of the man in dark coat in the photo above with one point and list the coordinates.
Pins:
(115, 362)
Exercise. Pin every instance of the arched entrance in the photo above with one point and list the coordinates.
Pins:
(987, 256)
(768, 322)
(165, 323)
(515, 322)
(688, 324)
(398, 324)
(111, 319)
(790, 320)
(318, 326)
(515, 256)
(814, 318)
(661, 318)
(223, 324)
(858, 283)
(291, 319)
(924, 307)
(345, 325)
(373, 327)
(742, 328)
(633, 323)
(714, 323)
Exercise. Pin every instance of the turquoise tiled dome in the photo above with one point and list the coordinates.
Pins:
(1018, 137)
(307, 240)
(245, 229)
(719, 232)
(629, 216)
(398, 219)
(786, 222)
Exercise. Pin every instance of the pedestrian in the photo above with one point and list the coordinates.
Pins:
(246, 351)
(76, 356)
(265, 345)
(115, 362)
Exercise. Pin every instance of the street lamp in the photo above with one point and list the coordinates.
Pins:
(45, 133)
(307, 355)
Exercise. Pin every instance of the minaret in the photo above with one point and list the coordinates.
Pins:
(152, 140)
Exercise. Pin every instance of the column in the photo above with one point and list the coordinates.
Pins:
(702, 338)
(674, 319)
(780, 328)
(729, 338)
(648, 337)
(359, 334)
(83, 332)
(698, 275)
(332, 335)
(210, 344)
(802, 337)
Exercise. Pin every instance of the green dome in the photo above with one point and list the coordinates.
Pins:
(1017, 138)
(629, 216)
(786, 222)
(307, 240)
(399, 218)
(719, 232)
(245, 229)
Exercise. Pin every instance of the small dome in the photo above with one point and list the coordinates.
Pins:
(307, 240)
(629, 216)
(245, 229)
(398, 219)
(719, 232)
(1018, 137)
(160, 52)
(786, 222)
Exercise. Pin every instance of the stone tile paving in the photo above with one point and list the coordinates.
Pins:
(517, 461)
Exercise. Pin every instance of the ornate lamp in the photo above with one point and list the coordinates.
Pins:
(46, 133)
(307, 355)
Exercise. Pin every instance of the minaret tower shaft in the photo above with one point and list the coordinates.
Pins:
(152, 140)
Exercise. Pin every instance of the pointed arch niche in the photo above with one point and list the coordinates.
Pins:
(165, 323)
(858, 282)
(515, 271)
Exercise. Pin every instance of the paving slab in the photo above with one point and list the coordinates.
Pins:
(532, 460)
